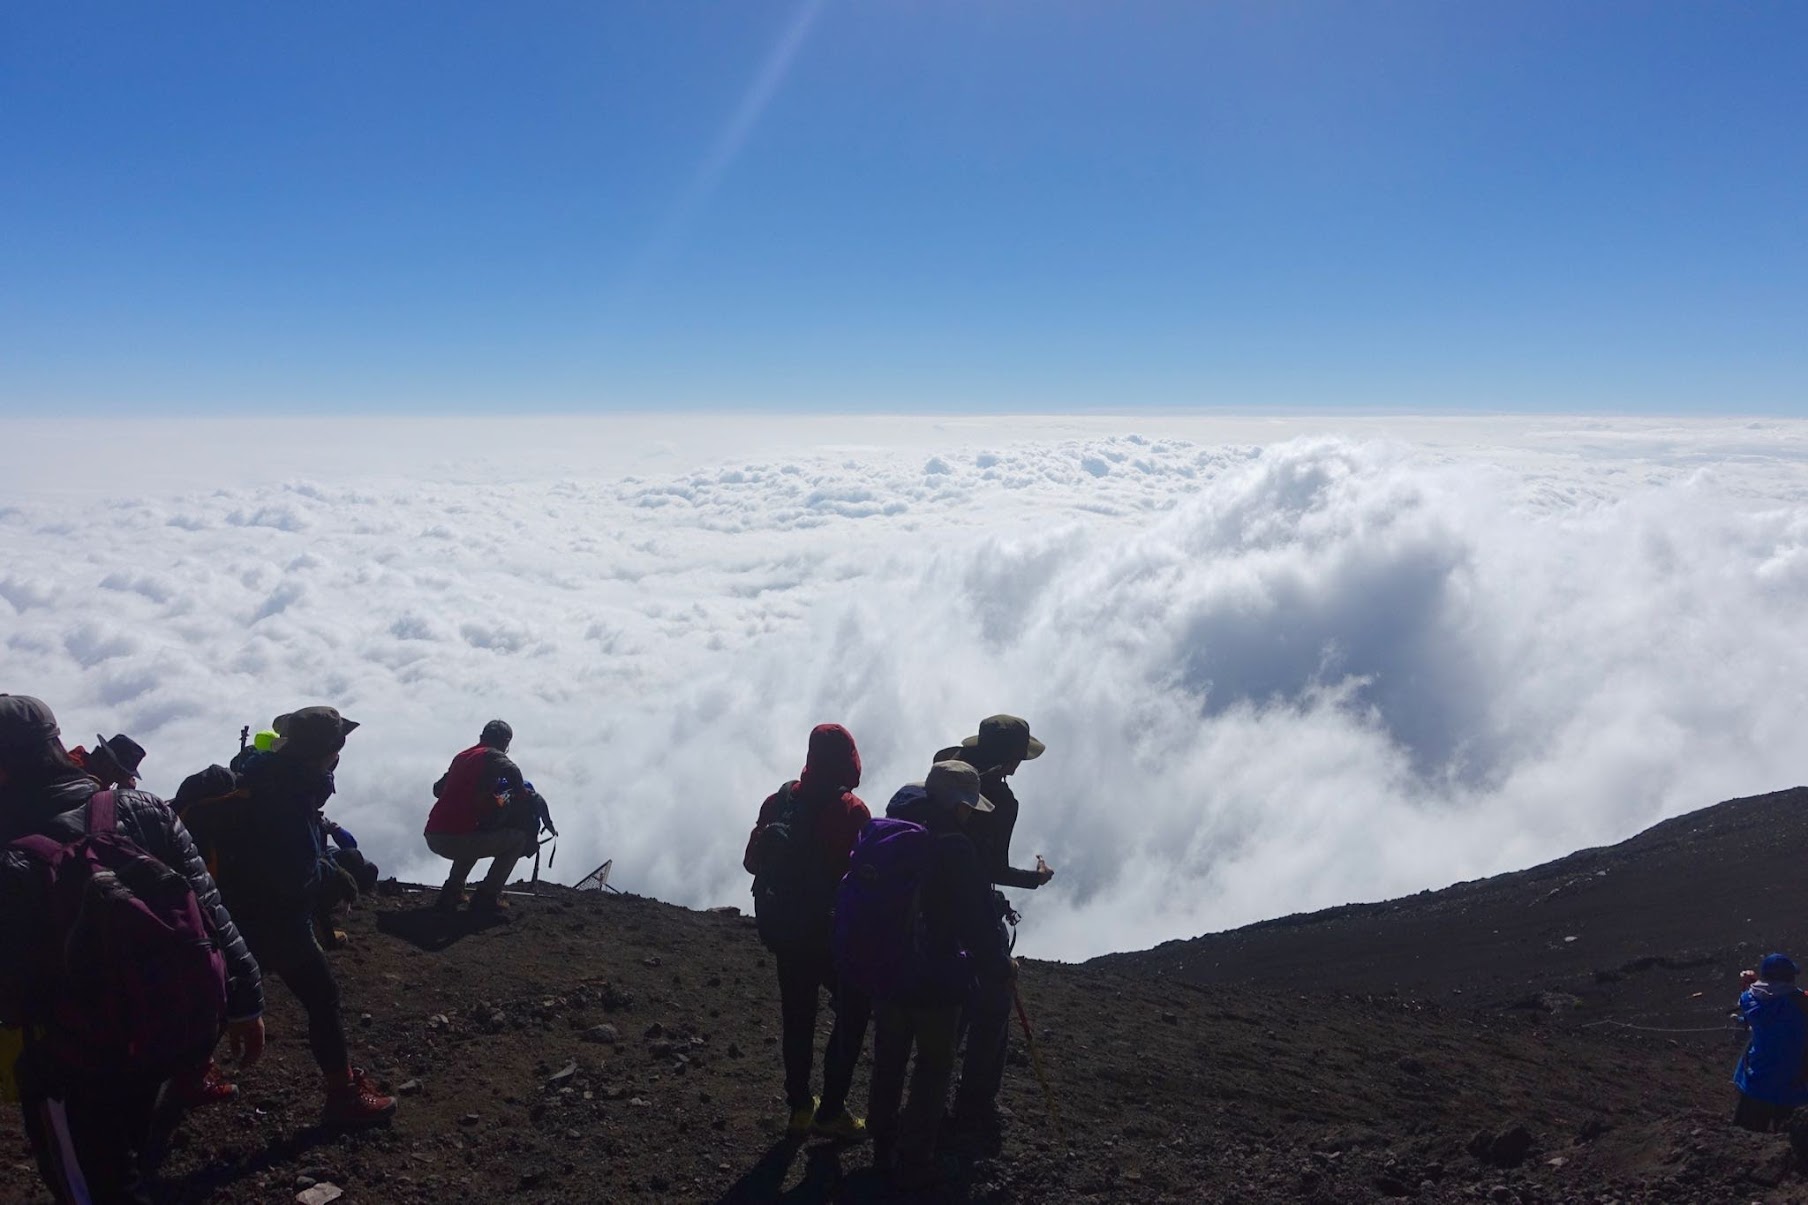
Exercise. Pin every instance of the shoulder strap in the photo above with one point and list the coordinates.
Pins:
(102, 815)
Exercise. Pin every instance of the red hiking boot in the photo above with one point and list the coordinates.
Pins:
(208, 1086)
(352, 1099)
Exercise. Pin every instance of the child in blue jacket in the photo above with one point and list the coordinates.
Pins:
(1772, 1076)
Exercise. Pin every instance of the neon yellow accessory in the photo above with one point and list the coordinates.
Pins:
(265, 740)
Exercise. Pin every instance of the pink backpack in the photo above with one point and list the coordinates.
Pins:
(131, 982)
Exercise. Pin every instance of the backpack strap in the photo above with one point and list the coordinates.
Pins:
(103, 817)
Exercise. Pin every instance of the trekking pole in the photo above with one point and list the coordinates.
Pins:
(1029, 1039)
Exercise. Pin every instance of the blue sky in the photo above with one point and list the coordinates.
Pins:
(214, 207)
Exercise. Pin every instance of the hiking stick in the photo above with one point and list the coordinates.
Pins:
(1029, 1039)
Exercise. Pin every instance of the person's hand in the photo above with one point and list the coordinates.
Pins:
(1747, 978)
(1044, 871)
(246, 1040)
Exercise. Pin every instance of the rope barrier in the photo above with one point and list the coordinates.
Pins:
(1726, 1028)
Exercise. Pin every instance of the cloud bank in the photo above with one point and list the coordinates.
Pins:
(1277, 666)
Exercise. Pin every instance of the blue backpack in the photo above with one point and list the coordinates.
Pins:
(878, 939)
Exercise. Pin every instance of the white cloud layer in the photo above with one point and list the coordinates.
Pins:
(1278, 665)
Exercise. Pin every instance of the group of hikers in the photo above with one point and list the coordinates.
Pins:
(135, 933)
(114, 903)
(901, 920)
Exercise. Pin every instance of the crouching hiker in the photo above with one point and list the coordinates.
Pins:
(914, 924)
(270, 855)
(118, 963)
(797, 854)
(1772, 1075)
(473, 819)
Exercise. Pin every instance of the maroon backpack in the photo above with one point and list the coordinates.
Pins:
(131, 981)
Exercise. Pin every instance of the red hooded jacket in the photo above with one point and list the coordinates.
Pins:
(830, 773)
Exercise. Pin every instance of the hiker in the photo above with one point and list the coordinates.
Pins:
(345, 874)
(88, 1078)
(1002, 744)
(476, 815)
(1772, 1075)
(918, 860)
(797, 853)
(112, 763)
(269, 848)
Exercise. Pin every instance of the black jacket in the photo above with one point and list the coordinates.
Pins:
(61, 813)
(270, 850)
(991, 831)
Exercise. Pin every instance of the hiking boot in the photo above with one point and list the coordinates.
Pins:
(352, 1099)
(449, 900)
(487, 903)
(842, 1127)
(801, 1118)
(208, 1086)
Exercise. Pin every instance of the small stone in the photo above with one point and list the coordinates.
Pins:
(364, 1018)
(469, 1119)
(304, 1181)
(319, 1194)
(655, 1030)
(1558, 1161)
(1170, 1018)
(410, 1087)
(640, 1103)
(563, 1075)
(602, 1033)
(650, 961)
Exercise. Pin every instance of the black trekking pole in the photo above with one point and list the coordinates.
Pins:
(1029, 1039)
(540, 845)
(244, 737)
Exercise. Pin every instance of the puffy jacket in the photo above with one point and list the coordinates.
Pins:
(830, 774)
(962, 934)
(1774, 1068)
(464, 796)
(61, 813)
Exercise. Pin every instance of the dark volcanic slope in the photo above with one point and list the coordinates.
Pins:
(605, 1048)
(1636, 926)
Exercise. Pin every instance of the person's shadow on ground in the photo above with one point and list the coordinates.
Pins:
(824, 1180)
(431, 930)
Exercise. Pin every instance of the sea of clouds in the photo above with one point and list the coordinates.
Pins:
(1279, 664)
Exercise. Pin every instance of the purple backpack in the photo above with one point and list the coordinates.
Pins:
(130, 982)
(878, 938)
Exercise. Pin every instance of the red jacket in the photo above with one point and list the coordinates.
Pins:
(830, 774)
(466, 794)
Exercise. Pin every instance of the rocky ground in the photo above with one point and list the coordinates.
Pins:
(1454, 1046)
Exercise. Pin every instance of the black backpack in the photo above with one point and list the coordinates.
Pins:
(792, 897)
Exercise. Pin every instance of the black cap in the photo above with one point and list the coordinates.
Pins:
(312, 731)
(496, 734)
(25, 721)
(123, 750)
(1004, 738)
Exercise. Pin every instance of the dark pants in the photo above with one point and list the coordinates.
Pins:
(800, 977)
(90, 1145)
(1762, 1116)
(933, 1031)
(286, 948)
(987, 1022)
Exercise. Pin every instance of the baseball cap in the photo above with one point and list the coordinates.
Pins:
(26, 721)
(1775, 967)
